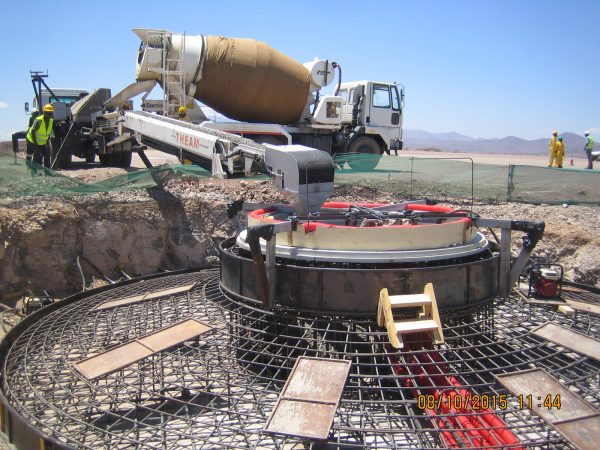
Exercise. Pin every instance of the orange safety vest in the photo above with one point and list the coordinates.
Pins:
(43, 133)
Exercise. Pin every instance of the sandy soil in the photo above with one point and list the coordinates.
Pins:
(499, 159)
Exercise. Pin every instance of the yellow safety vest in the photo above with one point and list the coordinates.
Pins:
(43, 133)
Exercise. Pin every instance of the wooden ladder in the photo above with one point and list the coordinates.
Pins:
(427, 318)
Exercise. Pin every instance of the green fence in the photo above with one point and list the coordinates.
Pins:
(460, 178)
(18, 178)
(409, 177)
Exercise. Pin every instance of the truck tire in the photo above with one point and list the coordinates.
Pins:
(105, 159)
(63, 160)
(125, 159)
(366, 145)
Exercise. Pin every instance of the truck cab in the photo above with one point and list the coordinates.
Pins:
(64, 97)
(374, 108)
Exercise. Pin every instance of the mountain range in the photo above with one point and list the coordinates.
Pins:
(454, 142)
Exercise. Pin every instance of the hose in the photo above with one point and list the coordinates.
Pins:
(97, 270)
(339, 68)
(82, 276)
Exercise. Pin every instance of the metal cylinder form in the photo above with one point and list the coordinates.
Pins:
(354, 288)
(337, 263)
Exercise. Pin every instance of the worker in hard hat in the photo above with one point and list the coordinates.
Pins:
(552, 145)
(560, 152)
(34, 115)
(589, 146)
(182, 113)
(38, 136)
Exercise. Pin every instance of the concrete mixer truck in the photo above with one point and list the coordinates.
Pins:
(270, 97)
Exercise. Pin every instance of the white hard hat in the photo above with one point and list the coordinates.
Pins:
(586, 132)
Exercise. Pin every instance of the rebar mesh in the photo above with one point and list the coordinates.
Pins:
(219, 390)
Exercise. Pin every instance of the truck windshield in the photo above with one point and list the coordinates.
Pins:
(381, 96)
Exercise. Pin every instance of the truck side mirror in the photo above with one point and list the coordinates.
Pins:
(27, 107)
(357, 94)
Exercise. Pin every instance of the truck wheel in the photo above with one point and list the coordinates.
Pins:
(364, 145)
(104, 159)
(125, 159)
(63, 159)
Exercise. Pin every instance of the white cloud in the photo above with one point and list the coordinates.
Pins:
(3, 105)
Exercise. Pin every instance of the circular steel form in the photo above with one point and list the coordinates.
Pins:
(353, 288)
(368, 227)
(219, 390)
(477, 244)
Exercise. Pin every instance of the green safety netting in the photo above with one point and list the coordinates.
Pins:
(21, 178)
(409, 177)
(460, 178)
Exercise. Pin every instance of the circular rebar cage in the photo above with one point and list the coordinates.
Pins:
(218, 390)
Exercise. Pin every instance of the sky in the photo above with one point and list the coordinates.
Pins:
(485, 69)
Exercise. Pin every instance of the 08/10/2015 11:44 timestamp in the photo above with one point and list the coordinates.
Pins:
(548, 401)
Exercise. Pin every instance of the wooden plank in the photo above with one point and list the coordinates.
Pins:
(539, 384)
(145, 296)
(171, 291)
(582, 433)
(174, 335)
(307, 404)
(318, 380)
(126, 354)
(303, 419)
(409, 301)
(121, 301)
(587, 307)
(112, 360)
(572, 340)
(415, 326)
(577, 420)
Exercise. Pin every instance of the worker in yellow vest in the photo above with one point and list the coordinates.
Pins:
(589, 147)
(38, 135)
(560, 152)
(552, 146)
(182, 113)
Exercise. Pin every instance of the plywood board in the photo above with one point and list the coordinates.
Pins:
(171, 291)
(307, 404)
(112, 360)
(305, 419)
(174, 335)
(577, 420)
(570, 339)
(120, 302)
(582, 433)
(145, 296)
(126, 354)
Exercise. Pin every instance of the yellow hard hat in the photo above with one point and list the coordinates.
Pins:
(182, 110)
(48, 108)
